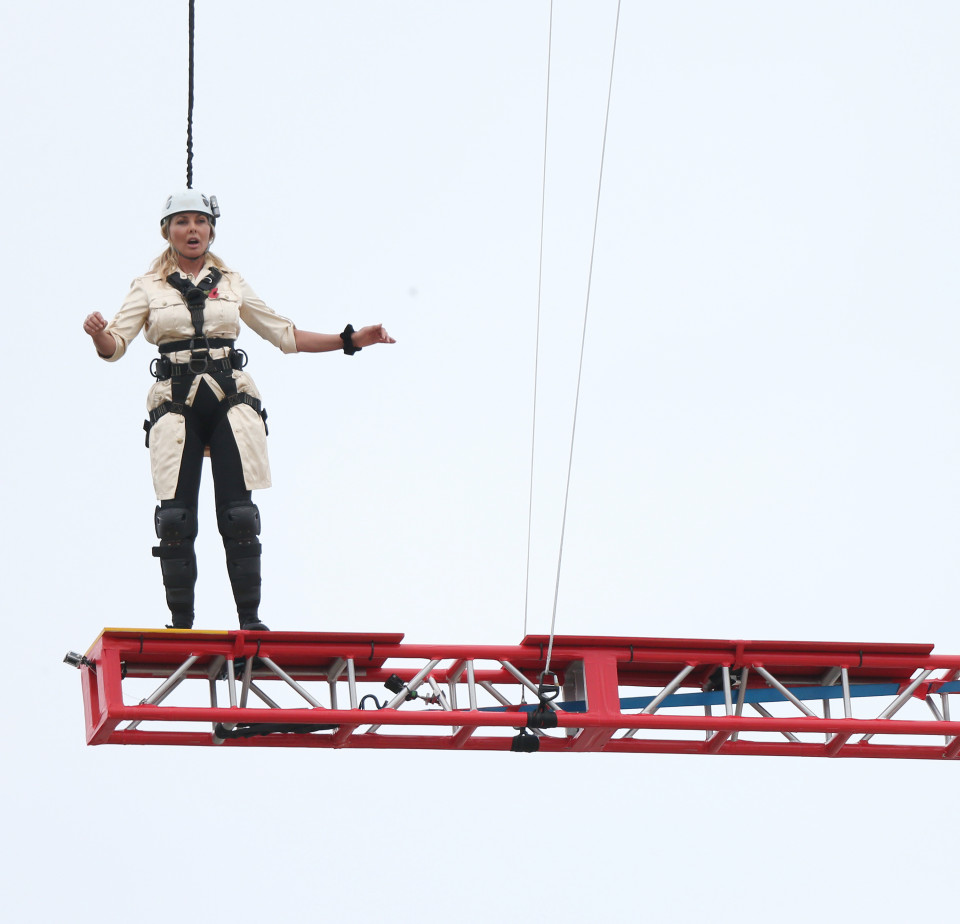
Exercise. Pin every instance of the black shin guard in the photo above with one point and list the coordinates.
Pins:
(243, 565)
(239, 524)
(179, 579)
(176, 529)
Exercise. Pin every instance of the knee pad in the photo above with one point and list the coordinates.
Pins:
(175, 523)
(239, 521)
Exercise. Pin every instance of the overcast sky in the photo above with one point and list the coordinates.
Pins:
(767, 445)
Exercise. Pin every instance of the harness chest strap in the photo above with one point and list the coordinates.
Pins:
(195, 297)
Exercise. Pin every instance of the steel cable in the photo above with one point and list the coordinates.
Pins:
(536, 351)
(583, 339)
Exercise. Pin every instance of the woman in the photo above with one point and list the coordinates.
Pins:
(190, 305)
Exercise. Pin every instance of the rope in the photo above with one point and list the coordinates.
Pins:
(190, 100)
(583, 338)
(536, 351)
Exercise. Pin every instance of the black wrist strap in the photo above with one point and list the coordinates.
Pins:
(347, 338)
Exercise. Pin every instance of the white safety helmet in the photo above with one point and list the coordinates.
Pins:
(189, 200)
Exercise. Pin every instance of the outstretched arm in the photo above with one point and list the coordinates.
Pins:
(95, 325)
(309, 342)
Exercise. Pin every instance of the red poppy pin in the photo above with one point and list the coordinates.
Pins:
(214, 293)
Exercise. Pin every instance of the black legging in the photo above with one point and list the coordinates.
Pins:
(208, 426)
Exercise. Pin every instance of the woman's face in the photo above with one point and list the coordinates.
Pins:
(190, 234)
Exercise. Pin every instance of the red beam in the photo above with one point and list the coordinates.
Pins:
(662, 721)
(547, 745)
(607, 664)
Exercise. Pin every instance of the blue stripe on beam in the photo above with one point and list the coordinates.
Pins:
(755, 695)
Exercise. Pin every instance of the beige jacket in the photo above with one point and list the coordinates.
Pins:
(159, 310)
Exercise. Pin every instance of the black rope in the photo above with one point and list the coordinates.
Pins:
(267, 728)
(190, 104)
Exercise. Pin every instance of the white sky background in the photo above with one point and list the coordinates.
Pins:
(767, 447)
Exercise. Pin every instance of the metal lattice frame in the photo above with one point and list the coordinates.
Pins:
(689, 696)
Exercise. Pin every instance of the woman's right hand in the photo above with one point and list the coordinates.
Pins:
(94, 323)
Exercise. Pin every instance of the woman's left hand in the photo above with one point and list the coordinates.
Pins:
(373, 333)
(309, 342)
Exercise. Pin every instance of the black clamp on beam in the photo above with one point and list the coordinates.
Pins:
(395, 685)
(542, 717)
(525, 743)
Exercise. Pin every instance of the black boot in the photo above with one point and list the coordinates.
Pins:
(239, 524)
(177, 528)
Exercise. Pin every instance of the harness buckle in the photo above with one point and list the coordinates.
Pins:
(197, 357)
(160, 368)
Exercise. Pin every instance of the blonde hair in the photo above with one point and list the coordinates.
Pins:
(168, 262)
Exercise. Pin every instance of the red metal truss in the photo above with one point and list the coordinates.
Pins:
(623, 695)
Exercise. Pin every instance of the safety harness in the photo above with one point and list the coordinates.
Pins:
(200, 363)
